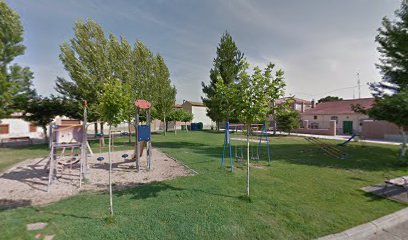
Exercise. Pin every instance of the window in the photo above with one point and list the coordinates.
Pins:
(334, 118)
(314, 117)
(314, 125)
(4, 129)
(33, 127)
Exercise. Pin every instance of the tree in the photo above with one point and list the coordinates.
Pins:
(114, 99)
(186, 117)
(391, 96)
(251, 98)
(329, 99)
(166, 93)
(288, 120)
(15, 81)
(226, 67)
(86, 58)
(42, 111)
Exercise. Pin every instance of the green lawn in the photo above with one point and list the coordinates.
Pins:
(303, 194)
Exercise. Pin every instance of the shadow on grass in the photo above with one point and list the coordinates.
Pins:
(367, 158)
(6, 204)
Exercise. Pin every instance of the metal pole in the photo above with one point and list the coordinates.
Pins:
(137, 140)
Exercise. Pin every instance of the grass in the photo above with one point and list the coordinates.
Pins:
(303, 194)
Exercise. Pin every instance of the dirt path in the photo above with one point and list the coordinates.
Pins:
(26, 183)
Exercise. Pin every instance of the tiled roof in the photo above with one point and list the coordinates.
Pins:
(297, 100)
(197, 104)
(339, 107)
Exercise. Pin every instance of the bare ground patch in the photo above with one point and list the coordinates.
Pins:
(26, 183)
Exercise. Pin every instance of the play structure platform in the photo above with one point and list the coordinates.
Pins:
(329, 149)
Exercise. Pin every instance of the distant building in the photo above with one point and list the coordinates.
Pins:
(298, 104)
(199, 111)
(347, 120)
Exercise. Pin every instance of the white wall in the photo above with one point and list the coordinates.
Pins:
(324, 120)
(200, 115)
(20, 128)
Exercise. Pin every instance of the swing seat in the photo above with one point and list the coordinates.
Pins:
(99, 134)
(124, 134)
(125, 156)
(100, 159)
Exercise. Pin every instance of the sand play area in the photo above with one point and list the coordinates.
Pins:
(26, 183)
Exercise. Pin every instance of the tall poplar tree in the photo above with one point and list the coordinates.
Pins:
(86, 59)
(165, 97)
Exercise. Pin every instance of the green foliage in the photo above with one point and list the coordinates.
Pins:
(165, 98)
(226, 68)
(186, 116)
(113, 102)
(288, 120)
(43, 110)
(15, 81)
(329, 99)
(392, 39)
(252, 96)
(90, 58)
(391, 94)
(86, 58)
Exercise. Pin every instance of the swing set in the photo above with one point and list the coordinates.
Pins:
(239, 151)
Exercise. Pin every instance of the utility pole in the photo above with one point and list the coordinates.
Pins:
(358, 84)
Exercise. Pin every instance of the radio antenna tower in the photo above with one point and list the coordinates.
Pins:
(358, 85)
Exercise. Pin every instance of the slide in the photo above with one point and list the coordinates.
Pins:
(348, 140)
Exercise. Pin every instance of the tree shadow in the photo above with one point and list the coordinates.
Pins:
(33, 175)
(367, 158)
(6, 204)
(147, 190)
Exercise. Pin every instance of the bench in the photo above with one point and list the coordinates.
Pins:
(16, 139)
(398, 182)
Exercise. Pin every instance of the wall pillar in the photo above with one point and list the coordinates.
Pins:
(332, 128)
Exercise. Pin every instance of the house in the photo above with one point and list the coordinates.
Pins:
(16, 127)
(298, 104)
(347, 120)
(199, 111)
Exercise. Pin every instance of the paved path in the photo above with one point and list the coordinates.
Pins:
(391, 227)
(399, 232)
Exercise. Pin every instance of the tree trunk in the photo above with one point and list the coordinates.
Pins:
(404, 143)
(45, 133)
(130, 132)
(110, 173)
(248, 161)
(185, 125)
(165, 125)
(274, 127)
(96, 128)
(101, 124)
(175, 127)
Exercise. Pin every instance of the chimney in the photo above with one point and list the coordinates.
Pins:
(313, 103)
(302, 107)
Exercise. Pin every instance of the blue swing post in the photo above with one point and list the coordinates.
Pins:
(264, 131)
(227, 141)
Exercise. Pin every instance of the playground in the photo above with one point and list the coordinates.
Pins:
(27, 181)
(303, 193)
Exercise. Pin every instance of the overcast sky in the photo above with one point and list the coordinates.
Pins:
(320, 44)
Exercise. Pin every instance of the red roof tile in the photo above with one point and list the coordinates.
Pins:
(339, 107)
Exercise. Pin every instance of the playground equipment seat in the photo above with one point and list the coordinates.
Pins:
(100, 159)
